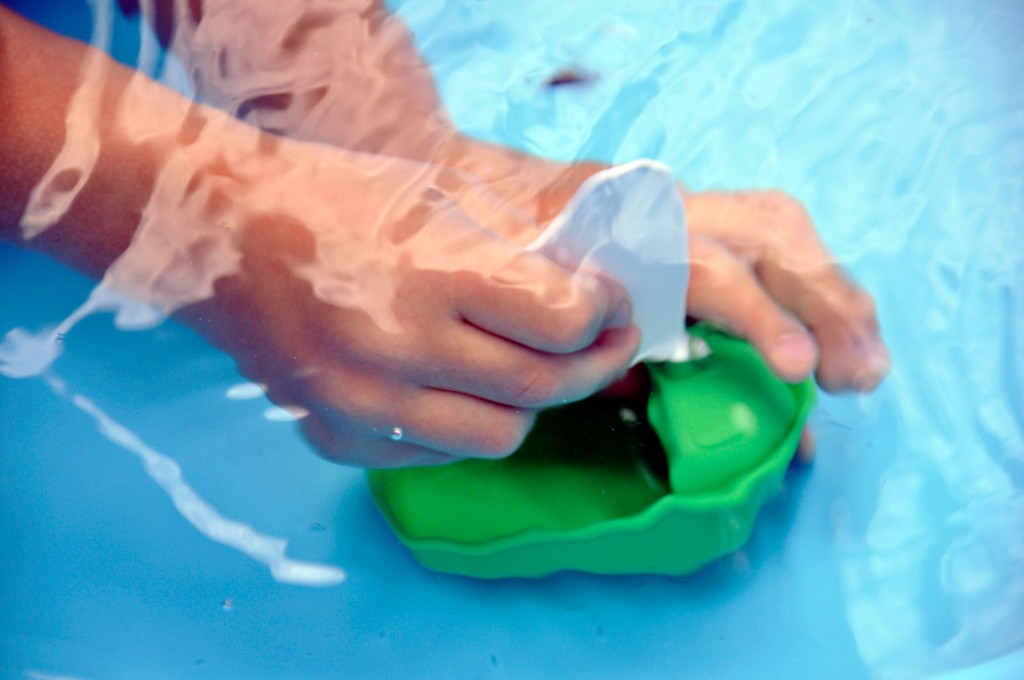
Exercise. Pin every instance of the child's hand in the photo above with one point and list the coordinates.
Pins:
(375, 297)
(760, 268)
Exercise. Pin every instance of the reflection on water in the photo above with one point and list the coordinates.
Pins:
(53, 195)
(24, 355)
(167, 474)
(899, 125)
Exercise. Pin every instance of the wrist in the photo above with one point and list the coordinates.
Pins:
(541, 187)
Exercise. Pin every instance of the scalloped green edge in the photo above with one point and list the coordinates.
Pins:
(452, 517)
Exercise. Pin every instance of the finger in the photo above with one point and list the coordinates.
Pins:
(478, 364)
(774, 234)
(351, 414)
(451, 354)
(460, 425)
(757, 224)
(724, 289)
(805, 450)
(532, 301)
(339, 446)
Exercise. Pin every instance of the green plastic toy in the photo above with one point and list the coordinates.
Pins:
(598, 487)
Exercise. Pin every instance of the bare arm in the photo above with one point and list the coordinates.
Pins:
(368, 293)
(347, 73)
(40, 74)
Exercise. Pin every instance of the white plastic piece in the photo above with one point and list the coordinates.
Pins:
(628, 223)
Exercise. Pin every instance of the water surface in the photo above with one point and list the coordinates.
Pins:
(899, 554)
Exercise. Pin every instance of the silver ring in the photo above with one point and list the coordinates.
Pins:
(396, 434)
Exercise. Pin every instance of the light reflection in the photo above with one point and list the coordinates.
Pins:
(165, 471)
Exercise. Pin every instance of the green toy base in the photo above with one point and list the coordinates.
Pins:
(603, 487)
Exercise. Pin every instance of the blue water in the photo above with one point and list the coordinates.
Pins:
(899, 554)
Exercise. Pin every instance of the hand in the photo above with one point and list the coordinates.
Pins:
(365, 292)
(371, 294)
(758, 264)
(758, 268)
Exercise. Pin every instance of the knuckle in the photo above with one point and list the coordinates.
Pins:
(862, 308)
(569, 308)
(500, 439)
(467, 281)
(786, 217)
(536, 386)
(782, 205)
(711, 265)
(701, 253)
(407, 350)
(573, 327)
(451, 181)
(573, 330)
(329, 441)
(359, 402)
(397, 353)
(361, 406)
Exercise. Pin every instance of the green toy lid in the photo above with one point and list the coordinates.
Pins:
(614, 485)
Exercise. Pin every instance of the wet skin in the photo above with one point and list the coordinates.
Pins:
(463, 336)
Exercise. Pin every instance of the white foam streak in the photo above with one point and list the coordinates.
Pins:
(40, 675)
(268, 550)
(25, 355)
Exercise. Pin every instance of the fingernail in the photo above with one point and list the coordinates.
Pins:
(794, 347)
(874, 364)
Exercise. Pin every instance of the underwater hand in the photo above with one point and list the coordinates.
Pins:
(758, 268)
(374, 298)
(761, 270)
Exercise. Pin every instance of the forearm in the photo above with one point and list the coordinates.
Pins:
(97, 158)
(345, 73)
(348, 74)
(71, 185)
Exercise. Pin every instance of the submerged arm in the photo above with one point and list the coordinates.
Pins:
(83, 214)
(370, 295)
(348, 73)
